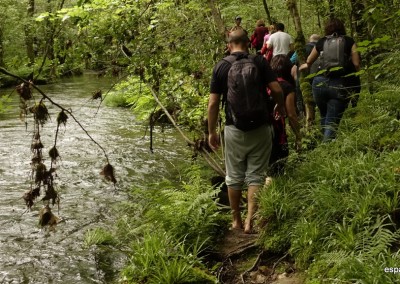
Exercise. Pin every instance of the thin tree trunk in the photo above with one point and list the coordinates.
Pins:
(300, 43)
(267, 12)
(318, 3)
(219, 23)
(30, 51)
(361, 29)
(331, 9)
(1, 48)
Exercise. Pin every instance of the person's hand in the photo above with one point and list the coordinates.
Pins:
(279, 111)
(213, 140)
(303, 66)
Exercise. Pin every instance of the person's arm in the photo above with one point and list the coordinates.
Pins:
(310, 59)
(213, 109)
(290, 104)
(269, 44)
(355, 57)
(264, 49)
(277, 95)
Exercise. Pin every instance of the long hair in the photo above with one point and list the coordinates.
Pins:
(334, 25)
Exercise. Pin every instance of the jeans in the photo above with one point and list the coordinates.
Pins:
(332, 100)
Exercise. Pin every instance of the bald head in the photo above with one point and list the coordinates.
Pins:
(238, 37)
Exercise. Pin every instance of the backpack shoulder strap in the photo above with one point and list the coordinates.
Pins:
(230, 58)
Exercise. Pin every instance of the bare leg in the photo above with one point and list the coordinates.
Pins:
(235, 197)
(251, 208)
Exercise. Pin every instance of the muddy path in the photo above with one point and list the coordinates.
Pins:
(243, 261)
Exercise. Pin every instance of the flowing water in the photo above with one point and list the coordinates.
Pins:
(29, 254)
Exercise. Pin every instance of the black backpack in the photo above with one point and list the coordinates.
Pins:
(333, 57)
(246, 98)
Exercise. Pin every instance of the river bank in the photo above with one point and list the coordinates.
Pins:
(30, 254)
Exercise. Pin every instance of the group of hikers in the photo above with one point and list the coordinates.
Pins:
(258, 90)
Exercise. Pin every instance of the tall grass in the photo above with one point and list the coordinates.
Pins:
(336, 210)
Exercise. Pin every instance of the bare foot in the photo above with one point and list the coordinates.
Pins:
(237, 220)
(237, 225)
(248, 227)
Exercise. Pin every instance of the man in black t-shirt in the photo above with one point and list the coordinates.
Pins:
(246, 152)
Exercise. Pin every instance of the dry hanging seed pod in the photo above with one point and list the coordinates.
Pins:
(53, 153)
(37, 145)
(24, 90)
(108, 173)
(36, 159)
(35, 192)
(62, 118)
(96, 95)
(40, 173)
(46, 217)
(40, 112)
(28, 197)
(50, 194)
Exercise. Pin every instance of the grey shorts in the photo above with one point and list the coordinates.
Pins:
(247, 155)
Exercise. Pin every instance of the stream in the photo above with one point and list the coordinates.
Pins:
(30, 254)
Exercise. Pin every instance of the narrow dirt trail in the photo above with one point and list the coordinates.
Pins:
(245, 262)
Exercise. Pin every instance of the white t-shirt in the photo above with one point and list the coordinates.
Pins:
(280, 43)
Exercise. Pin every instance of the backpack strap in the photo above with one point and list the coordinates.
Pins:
(233, 57)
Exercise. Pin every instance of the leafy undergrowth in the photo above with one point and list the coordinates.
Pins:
(337, 208)
(164, 231)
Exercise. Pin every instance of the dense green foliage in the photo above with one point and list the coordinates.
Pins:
(338, 208)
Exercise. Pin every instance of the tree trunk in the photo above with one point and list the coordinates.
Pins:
(357, 23)
(30, 51)
(267, 12)
(331, 9)
(219, 23)
(1, 48)
(299, 45)
(361, 31)
(318, 3)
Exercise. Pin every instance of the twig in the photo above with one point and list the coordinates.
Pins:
(112, 86)
(209, 159)
(190, 142)
(253, 266)
(219, 169)
(240, 250)
(213, 165)
(277, 262)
